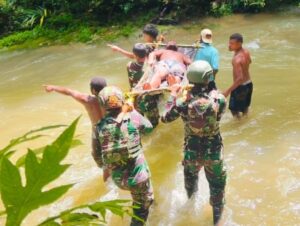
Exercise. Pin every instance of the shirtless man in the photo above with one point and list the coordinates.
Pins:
(241, 89)
(90, 102)
(171, 66)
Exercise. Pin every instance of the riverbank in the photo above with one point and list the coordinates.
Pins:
(78, 32)
(75, 33)
(261, 152)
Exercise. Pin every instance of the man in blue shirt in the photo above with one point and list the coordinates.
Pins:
(208, 53)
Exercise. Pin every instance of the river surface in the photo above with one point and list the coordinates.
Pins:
(262, 151)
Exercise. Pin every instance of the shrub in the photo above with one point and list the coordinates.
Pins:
(221, 10)
(61, 21)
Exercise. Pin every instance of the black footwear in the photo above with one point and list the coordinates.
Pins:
(141, 213)
(217, 213)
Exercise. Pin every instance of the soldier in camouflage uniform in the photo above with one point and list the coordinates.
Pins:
(148, 105)
(119, 150)
(201, 113)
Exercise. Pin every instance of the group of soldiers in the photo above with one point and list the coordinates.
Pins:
(118, 124)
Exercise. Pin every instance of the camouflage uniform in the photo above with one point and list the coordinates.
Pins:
(119, 150)
(203, 146)
(148, 105)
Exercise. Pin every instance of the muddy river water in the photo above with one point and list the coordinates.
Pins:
(262, 151)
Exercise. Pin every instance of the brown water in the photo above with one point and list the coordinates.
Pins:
(262, 152)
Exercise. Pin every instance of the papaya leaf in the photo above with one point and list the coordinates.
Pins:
(21, 161)
(51, 223)
(9, 153)
(27, 137)
(20, 200)
(117, 207)
(74, 219)
(71, 218)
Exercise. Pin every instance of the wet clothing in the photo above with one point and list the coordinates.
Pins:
(148, 105)
(172, 67)
(207, 153)
(203, 146)
(240, 98)
(120, 151)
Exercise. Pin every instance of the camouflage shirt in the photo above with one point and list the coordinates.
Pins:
(135, 73)
(121, 141)
(201, 113)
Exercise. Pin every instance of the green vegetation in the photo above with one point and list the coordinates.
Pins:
(41, 167)
(32, 23)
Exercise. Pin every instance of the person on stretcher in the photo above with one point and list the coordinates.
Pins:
(171, 66)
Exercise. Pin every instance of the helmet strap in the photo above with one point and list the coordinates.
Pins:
(199, 89)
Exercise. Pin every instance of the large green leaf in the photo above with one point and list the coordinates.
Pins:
(21, 161)
(79, 216)
(31, 135)
(20, 200)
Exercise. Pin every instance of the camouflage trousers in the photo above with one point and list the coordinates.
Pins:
(142, 196)
(205, 152)
(141, 192)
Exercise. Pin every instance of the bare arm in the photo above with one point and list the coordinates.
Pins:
(153, 56)
(80, 97)
(122, 51)
(238, 73)
(186, 60)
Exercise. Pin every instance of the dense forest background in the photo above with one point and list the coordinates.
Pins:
(87, 17)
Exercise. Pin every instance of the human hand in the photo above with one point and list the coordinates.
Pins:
(114, 47)
(226, 93)
(49, 88)
(150, 63)
(171, 80)
(106, 174)
(175, 89)
(127, 107)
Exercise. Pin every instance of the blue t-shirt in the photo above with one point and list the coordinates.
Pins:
(208, 53)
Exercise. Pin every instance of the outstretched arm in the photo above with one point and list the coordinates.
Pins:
(122, 51)
(80, 97)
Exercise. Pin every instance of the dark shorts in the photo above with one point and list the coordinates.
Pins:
(240, 98)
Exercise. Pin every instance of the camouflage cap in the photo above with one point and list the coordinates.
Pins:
(112, 97)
